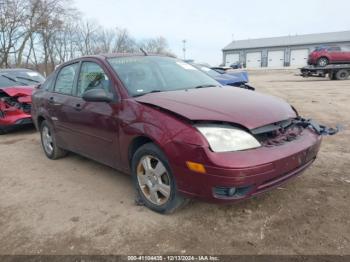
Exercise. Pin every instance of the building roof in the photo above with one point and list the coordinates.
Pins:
(290, 40)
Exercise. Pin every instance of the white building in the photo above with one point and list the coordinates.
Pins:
(276, 52)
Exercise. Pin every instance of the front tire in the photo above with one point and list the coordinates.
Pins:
(322, 62)
(48, 142)
(154, 182)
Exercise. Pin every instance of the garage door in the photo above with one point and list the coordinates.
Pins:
(299, 57)
(275, 58)
(231, 59)
(253, 60)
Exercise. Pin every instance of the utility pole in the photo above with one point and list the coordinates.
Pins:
(184, 48)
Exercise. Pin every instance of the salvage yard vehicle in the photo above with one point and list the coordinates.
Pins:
(323, 56)
(237, 79)
(16, 87)
(223, 69)
(175, 129)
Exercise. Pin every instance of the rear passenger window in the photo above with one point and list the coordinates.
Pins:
(65, 79)
(92, 76)
(334, 49)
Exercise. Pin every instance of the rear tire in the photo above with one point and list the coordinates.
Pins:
(342, 74)
(323, 61)
(48, 142)
(154, 182)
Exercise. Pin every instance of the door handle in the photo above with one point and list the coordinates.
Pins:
(52, 101)
(78, 107)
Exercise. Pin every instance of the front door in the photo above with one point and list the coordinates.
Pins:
(95, 124)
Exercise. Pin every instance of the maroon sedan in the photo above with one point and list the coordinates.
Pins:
(176, 130)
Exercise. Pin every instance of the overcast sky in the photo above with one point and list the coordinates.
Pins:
(209, 25)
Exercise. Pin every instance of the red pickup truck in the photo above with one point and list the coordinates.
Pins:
(323, 56)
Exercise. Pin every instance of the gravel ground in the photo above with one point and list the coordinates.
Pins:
(77, 206)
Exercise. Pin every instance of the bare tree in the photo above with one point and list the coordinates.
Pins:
(105, 40)
(12, 17)
(44, 33)
(124, 42)
(157, 45)
(87, 36)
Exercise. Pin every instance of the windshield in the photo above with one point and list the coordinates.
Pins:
(20, 78)
(142, 75)
(320, 48)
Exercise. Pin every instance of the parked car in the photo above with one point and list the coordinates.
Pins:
(16, 87)
(175, 129)
(237, 65)
(237, 79)
(323, 56)
(223, 69)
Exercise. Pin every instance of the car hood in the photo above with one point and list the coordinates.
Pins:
(234, 105)
(18, 90)
(23, 93)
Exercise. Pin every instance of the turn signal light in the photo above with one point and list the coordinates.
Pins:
(196, 167)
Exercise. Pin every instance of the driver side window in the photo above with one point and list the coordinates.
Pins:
(92, 76)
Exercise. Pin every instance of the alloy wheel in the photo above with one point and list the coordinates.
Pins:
(323, 62)
(154, 180)
(47, 140)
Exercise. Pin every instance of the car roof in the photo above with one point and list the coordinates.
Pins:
(109, 55)
(112, 55)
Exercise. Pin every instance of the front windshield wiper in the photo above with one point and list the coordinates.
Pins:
(28, 79)
(13, 80)
(153, 91)
(204, 86)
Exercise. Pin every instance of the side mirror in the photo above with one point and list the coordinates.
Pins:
(97, 95)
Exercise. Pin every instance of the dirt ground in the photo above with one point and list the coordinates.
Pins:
(77, 206)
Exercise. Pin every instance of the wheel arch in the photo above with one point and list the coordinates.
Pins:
(39, 120)
(323, 56)
(136, 143)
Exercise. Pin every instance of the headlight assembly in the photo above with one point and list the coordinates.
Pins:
(225, 138)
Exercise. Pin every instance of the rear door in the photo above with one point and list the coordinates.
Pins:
(95, 124)
(346, 54)
(59, 105)
(335, 54)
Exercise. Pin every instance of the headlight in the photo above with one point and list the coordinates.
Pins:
(225, 138)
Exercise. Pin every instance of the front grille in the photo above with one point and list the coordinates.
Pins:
(279, 137)
(278, 133)
(231, 192)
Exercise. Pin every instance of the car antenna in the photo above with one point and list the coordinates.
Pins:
(143, 51)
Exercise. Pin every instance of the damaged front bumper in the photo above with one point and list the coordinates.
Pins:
(319, 129)
(14, 113)
(288, 148)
